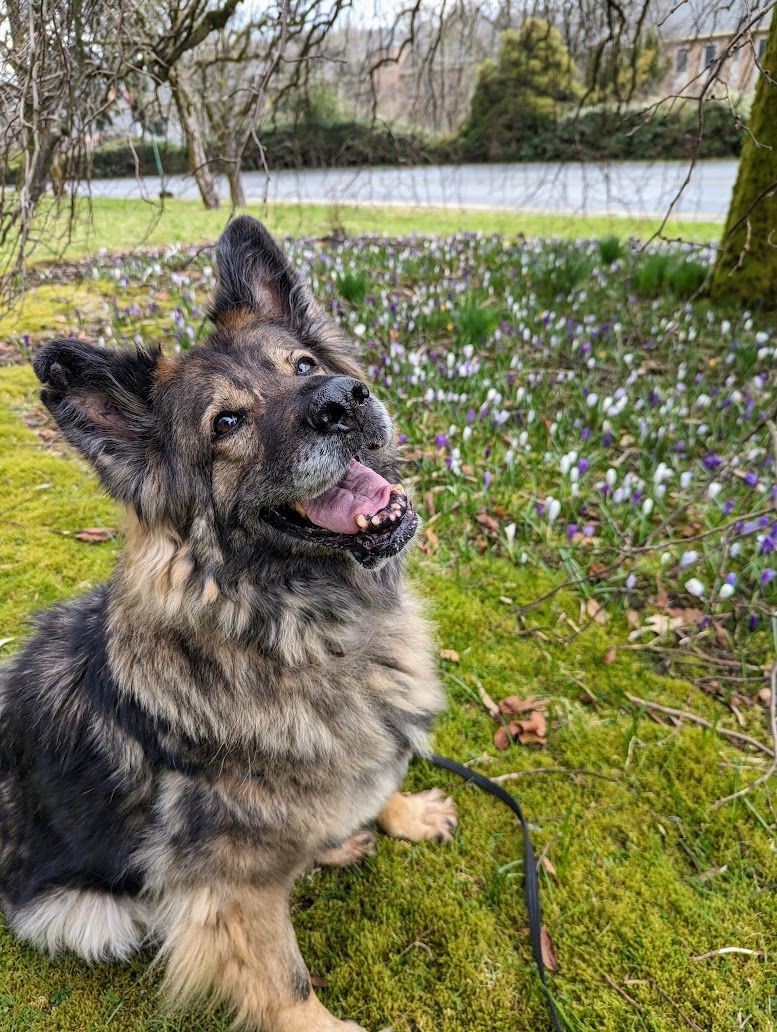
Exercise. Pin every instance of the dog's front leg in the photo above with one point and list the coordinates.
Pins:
(234, 945)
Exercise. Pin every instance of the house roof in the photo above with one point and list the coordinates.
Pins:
(702, 19)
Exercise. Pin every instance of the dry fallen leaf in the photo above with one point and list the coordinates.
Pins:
(451, 655)
(93, 535)
(431, 541)
(487, 521)
(549, 958)
(610, 656)
(491, 707)
(632, 618)
(530, 731)
(513, 705)
(596, 611)
(548, 865)
(501, 738)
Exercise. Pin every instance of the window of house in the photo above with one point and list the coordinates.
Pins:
(709, 54)
(682, 60)
(761, 47)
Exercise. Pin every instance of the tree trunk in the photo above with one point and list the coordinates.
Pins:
(236, 192)
(193, 135)
(746, 269)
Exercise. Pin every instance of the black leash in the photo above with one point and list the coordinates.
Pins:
(530, 882)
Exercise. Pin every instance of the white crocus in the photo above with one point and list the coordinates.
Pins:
(694, 587)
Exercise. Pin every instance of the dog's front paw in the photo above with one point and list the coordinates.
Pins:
(355, 849)
(425, 816)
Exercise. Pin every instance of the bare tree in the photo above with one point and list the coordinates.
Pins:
(60, 65)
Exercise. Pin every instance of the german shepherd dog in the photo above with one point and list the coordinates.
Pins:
(243, 697)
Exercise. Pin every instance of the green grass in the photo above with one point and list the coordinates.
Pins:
(123, 225)
(432, 939)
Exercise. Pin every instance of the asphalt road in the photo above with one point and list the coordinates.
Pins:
(618, 188)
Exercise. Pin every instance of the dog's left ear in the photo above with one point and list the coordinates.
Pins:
(255, 274)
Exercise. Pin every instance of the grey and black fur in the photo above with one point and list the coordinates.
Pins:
(244, 695)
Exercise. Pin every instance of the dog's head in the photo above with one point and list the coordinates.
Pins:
(265, 435)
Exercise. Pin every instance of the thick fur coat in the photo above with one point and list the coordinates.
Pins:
(245, 693)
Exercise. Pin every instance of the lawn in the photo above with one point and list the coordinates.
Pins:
(578, 435)
(123, 225)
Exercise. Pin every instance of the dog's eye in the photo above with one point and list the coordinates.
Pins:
(226, 421)
(305, 365)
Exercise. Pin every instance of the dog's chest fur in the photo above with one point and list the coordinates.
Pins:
(283, 751)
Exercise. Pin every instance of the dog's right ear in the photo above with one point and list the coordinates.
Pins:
(101, 399)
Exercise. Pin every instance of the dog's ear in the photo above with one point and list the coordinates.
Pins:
(255, 275)
(101, 399)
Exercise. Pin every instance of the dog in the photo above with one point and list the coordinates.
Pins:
(242, 698)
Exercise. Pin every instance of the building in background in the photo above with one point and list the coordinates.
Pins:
(696, 35)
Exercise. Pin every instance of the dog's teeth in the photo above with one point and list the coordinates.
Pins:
(376, 520)
(362, 521)
(298, 508)
(399, 489)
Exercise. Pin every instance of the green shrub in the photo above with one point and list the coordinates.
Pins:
(475, 323)
(352, 287)
(658, 272)
(650, 274)
(685, 278)
(560, 273)
(611, 249)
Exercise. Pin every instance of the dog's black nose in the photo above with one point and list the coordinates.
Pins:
(334, 406)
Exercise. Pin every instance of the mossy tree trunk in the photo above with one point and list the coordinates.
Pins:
(746, 269)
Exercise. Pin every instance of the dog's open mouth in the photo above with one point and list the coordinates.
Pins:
(362, 514)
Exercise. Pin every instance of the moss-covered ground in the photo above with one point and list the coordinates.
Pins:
(433, 939)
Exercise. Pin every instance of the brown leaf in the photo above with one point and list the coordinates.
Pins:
(431, 541)
(501, 738)
(632, 618)
(429, 503)
(596, 611)
(491, 707)
(500, 511)
(93, 535)
(548, 867)
(531, 731)
(688, 530)
(549, 958)
(513, 705)
(597, 571)
(764, 696)
(319, 982)
(610, 656)
(451, 655)
(487, 521)
(685, 616)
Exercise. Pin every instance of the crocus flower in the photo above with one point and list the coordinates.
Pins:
(694, 587)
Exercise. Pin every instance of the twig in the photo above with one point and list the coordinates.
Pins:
(622, 992)
(725, 950)
(737, 736)
(773, 765)
(515, 775)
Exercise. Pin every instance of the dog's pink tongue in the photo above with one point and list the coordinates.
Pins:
(359, 491)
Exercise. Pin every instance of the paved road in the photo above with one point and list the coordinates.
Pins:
(618, 188)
